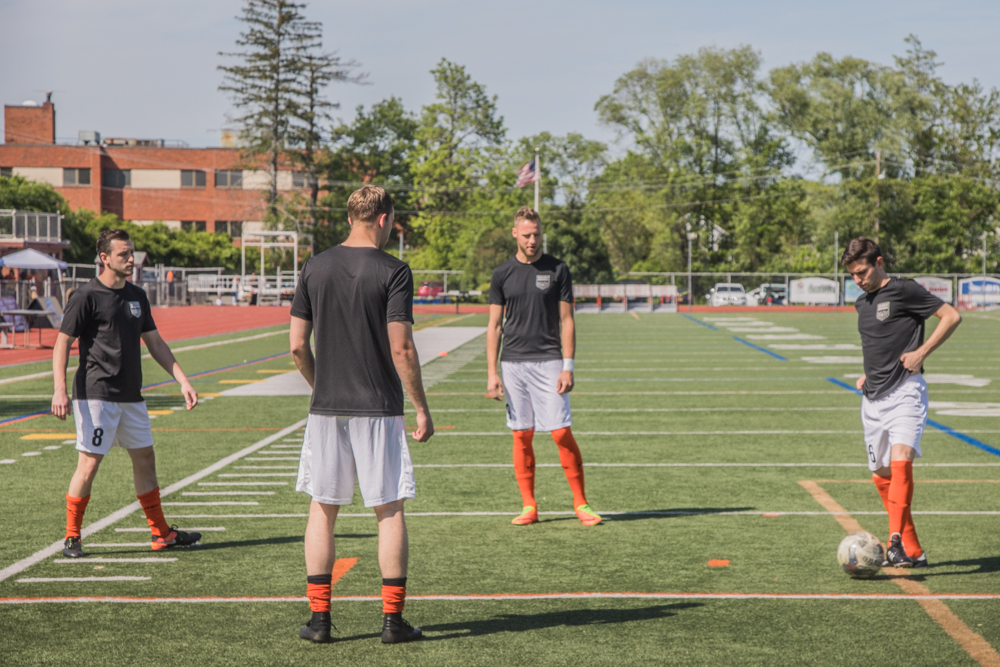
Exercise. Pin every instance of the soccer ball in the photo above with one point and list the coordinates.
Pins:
(861, 555)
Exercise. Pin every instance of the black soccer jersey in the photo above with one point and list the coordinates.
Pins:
(108, 323)
(530, 294)
(891, 323)
(350, 294)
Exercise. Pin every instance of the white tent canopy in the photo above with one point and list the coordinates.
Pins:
(32, 259)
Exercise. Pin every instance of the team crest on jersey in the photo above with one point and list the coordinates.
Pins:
(135, 308)
(882, 311)
(542, 281)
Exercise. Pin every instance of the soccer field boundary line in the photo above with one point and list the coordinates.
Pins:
(120, 514)
(697, 321)
(188, 348)
(975, 645)
(760, 349)
(947, 430)
(500, 597)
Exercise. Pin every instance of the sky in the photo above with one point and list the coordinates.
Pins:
(143, 69)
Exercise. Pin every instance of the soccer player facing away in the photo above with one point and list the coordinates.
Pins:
(891, 317)
(359, 302)
(539, 339)
(110, 317)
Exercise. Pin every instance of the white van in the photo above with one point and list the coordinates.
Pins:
(727, 294)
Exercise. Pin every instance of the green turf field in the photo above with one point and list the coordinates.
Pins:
(687, 434)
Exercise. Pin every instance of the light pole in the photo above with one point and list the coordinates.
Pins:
(691, 236)
(984, 271)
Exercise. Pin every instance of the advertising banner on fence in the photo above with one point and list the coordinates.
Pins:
(971, 292)
(939, 287)
(814, 291)
(851, 291)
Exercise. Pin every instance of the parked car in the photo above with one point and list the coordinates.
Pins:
(430, 288)
(768, 294)
(727, 294)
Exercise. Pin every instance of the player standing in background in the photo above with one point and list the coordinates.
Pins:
(110, 316)
(359, 301)
(891, 317)
(536, 292)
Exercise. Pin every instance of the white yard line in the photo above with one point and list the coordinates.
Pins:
(262, 474)
(852, 408)
(43, 374)
(114, 517)
(272, 458)
(216, 529)
(266, 467)
(221, 503)
(112, 545)
(242, 483)
(228, 493)
(701, 465)
(50, 580)
(771, 513)
(82, 561)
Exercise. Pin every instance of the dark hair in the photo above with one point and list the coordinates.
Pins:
(861, 248)
(527, 213)
(107, 236)
(368, 203)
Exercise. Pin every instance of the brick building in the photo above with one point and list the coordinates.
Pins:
(141, 180)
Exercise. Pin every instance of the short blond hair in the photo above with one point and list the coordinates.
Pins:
(527, 213)
(368, 203)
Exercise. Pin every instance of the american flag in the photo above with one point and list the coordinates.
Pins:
(527, 174)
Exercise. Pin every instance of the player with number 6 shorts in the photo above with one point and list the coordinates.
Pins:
(891, 316)
(111, 317)
(531, 310)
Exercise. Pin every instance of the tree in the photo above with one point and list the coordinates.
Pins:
(266, 83)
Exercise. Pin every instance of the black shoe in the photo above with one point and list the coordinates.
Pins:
(895, 555)
(73, 548)
(396, 631)
(920, 561)
(317, 630)
(176, 538)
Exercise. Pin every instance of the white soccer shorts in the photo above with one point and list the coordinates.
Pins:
(101, 425)
(373, 449)
(532, 400)
(896, 419)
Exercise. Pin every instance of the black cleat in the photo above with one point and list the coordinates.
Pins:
(73, 548)
(317, 630)
(176, 538)
(920, 561)
(895, 555)
(396, 631)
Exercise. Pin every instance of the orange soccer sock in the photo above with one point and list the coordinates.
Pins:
(150, 503)
(393, 595)
(572, 463)
(75, 507)
(882, 484)
(524, 466)
(900, 497)
(318, 591)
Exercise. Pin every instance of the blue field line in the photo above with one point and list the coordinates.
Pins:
(760, 349)
(967, 439)
(159, 384)
(695, 319)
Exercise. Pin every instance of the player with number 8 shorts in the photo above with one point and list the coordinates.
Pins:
(531, 310)
(110, 317)
(891, 315)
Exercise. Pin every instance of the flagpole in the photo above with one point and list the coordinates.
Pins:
(538, 177)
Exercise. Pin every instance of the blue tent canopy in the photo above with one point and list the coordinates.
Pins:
(32, 259)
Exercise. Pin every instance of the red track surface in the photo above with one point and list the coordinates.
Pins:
(173, 323)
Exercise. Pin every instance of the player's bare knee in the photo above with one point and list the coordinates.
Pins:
(391, 510)
(87, 465)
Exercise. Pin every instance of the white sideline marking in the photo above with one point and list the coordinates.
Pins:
(274, 458)
(84, 561)
(798, 336)
(262, 474)
(814, 346)
(228, 493)
(221, 503)
(31, 454)
(69, 442)
(47, 580)
(7, 461)
(33, 376)
(834, 360)
(217, 529)
(266, 467)
(523, 596)
(114, 517)
(772, 513)
(764, 330)
(53, 448)
(111, 545)
(242, 483)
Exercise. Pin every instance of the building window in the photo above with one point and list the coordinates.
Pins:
(116, 178)
(228, 178)
(76, 176)
(191, 178)
(6, 172)
(300, 179)
(232, 227)
(193, 225)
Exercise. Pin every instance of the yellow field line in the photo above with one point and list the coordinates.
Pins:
(978, 648)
